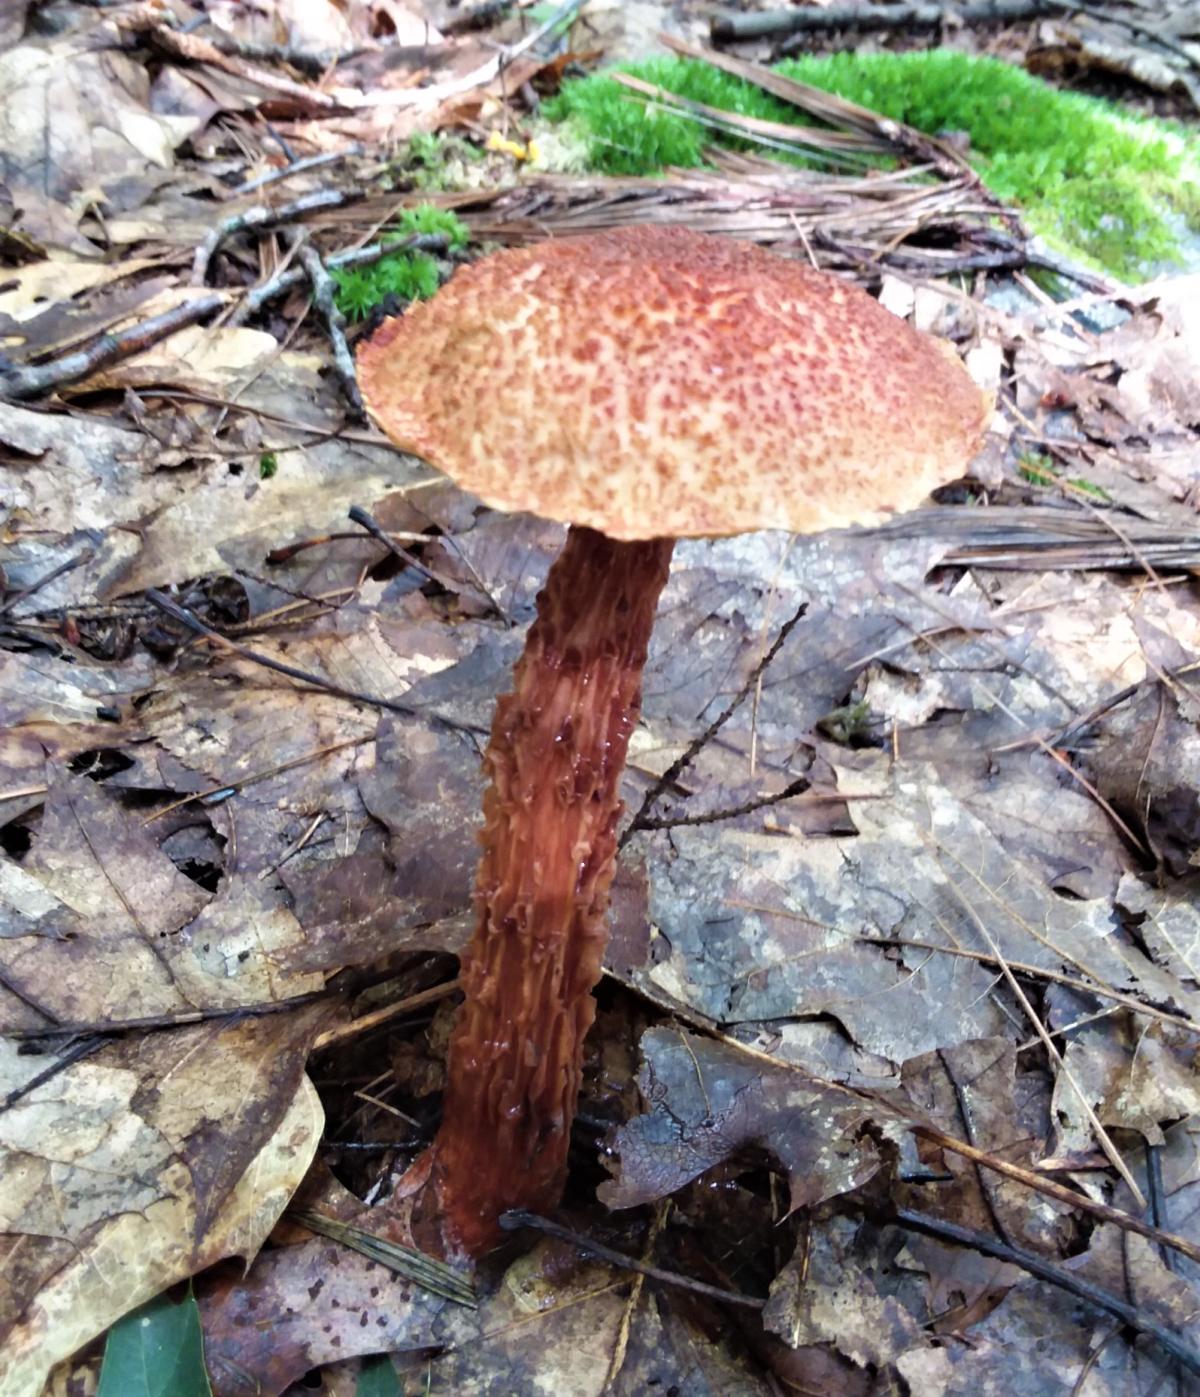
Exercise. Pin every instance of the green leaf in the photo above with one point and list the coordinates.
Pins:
(157, 1351)
(377, 1378)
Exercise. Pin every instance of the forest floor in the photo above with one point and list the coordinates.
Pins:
(911, 945)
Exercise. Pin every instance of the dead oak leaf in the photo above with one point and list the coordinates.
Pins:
(708, 1101)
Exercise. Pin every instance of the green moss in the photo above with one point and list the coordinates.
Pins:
(628, 137)
(410, 276)
(1093, 180)
(434, 161)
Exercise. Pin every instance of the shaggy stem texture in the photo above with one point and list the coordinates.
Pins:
(554, 760)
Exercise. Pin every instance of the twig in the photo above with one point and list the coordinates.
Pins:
(260, 216)
(193, 49)
(111, 1028)
(1067, 734)
(798, 787)
(1158, 1197)
(106, 350)
(685, 758)
(296, 167)
(1038, 1182)
(1048, 1043)
(1045, 1270)
(313, 63)
(367, 1023)
(373, 527)
(377, 531)
(325, 300)
(737, 28)
(1069, 1197)
(517, 1218)
(194, 624)
(75, 1053)
(621, 1347)
(216, 794)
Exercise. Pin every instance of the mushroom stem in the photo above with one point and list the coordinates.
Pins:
(555, 759)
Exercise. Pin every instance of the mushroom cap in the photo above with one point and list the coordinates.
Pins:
(652, 381)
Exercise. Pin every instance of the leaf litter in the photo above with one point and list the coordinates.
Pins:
(972, 764)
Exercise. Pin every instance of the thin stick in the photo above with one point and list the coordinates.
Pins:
(311, 162)
(17, 597)
(1045, 1270)
(215, 794)
(260, 216)
(76, 1052)
(1056, 1057)
(1069, 1197)
(325, 300)
(193, 623)
(106, 350)
(376, 530)
(797, 788)
(368, 1022)
(681, 762)
(288, 277)
(517, 1218)
(110, 1027)
(1038, 1182)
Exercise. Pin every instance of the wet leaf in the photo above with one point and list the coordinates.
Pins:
(157, 1351)
(708, 1102)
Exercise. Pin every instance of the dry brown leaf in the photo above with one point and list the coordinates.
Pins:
(100, 925)
(140, 1166)
(827, 1294)
(708, 1101)
(71, 121)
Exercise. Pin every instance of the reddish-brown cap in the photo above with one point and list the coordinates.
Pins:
(653, 381)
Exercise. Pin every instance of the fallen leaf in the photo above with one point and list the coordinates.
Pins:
(140, 1166)
(71, 121)
(708, 1101)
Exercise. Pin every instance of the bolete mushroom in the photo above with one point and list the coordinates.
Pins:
(640, 385)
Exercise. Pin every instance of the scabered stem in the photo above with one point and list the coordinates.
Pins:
(554, 761)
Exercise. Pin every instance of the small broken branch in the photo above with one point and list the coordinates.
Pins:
(197, 627)
(685, 758)
(260, 216)
(29, 382)
(325, 300)
(289, 277)
(1067, 1196)
(737, 28)
(517, 1218)
(71, 563)
(1044, 1270)
(296, 167)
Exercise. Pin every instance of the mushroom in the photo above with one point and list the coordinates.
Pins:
(640, 385)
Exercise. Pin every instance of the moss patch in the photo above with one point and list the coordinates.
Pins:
(1091, 179)
(410, 276)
